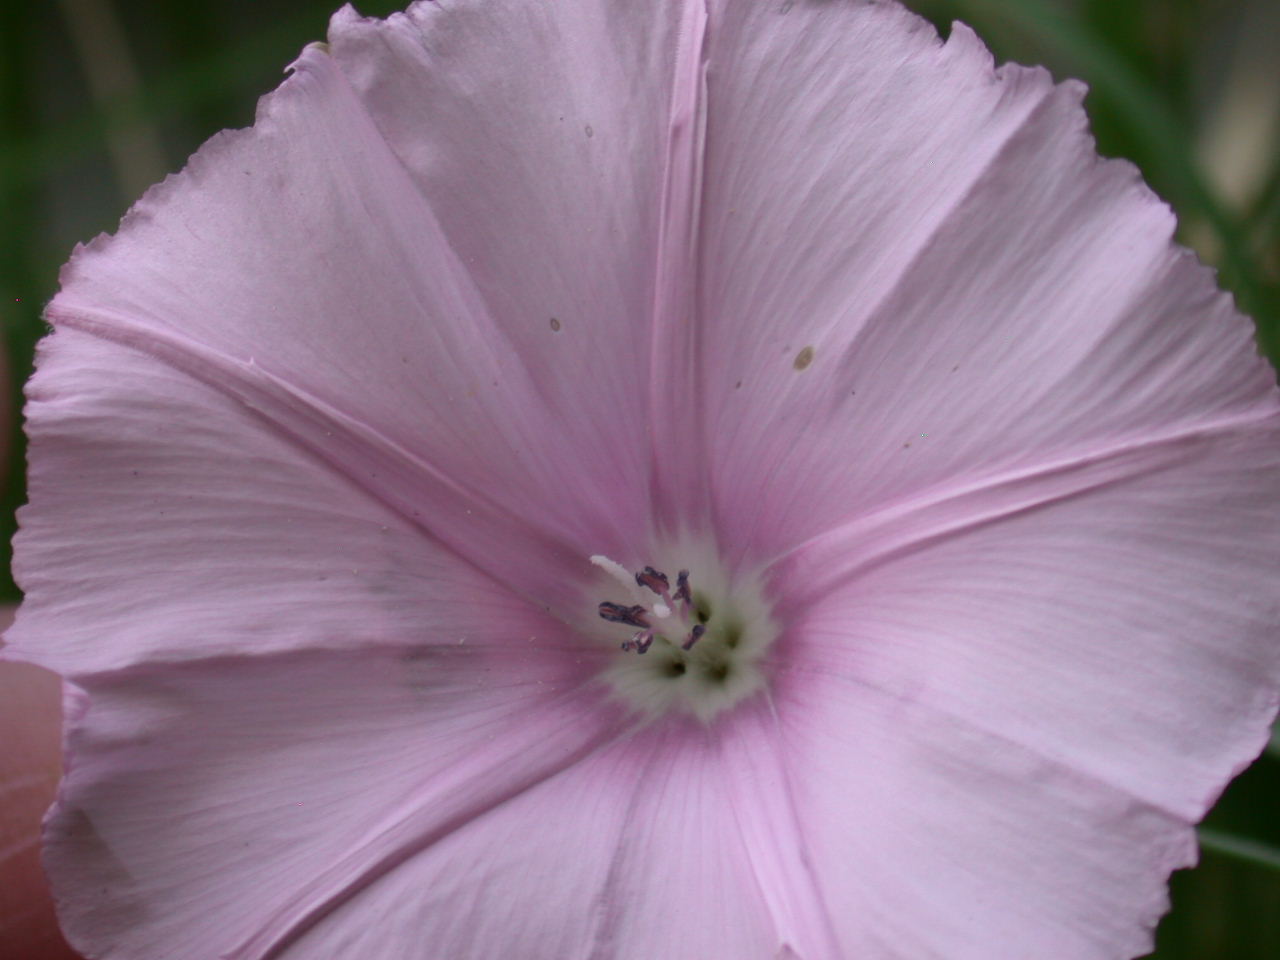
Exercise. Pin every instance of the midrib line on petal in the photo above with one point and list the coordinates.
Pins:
(606, 911)
(455, 266)
(1095, 777)
(951, 208)
(784, 875)
(874, 539)
(391, 848)
(313, 426)
(676, 451)
(855, 325)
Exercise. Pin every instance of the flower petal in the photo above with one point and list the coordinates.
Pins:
(631, 853)
(946, 282)
(298, 268)
(167, 521)
(218, 808)
(561, 172)
(370, 804)
(1035, 697)
(938, 840)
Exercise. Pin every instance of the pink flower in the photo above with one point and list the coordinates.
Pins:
(341, 443)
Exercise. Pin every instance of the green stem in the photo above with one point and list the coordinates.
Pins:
(1240, 848)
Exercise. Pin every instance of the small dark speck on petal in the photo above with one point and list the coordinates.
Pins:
(738, 385)
(786, 6)
(803, 359)
(555, 324)
(589, 131)
(955, 368)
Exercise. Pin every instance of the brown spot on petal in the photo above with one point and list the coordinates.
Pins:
(555, 325)
(803, 359)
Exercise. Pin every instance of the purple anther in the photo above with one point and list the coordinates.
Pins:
(655, 580)
(682, 587)
(639, 643)
(617, 613)
(694, 636)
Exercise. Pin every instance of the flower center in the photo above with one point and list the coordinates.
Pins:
(691, 642)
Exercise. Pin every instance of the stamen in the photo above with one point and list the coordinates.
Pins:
(639, 614)
(694, 636)
(617, 613)
(707, 644)
(640, 642)
(655, 580)
(682, 587)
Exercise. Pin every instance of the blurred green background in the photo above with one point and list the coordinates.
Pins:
(100, 98)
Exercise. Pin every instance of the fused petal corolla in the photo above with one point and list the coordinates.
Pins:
(966, 470)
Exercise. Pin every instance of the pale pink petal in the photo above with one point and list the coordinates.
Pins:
(917, 274)
(760, 782)
(379, 804)
(298, 269)
(328, 431)
(1033, 693)
(937, 840)
(220, 808)
(167, 521)
(553, 142)
(634, 852)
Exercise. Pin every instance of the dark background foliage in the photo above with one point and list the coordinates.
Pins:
(100, 98)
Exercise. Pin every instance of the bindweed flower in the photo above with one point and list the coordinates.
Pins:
(594, 479)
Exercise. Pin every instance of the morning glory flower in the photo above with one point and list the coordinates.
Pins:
(617, 480)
